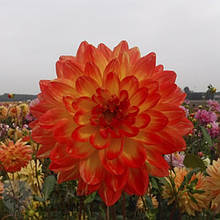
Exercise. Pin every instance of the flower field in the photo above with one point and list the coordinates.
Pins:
(112, 137)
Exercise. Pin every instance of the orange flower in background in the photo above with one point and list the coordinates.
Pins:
(108, 118)
(185, 203)
(213, 184)
(14, 156)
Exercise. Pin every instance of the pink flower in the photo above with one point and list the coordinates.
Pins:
(214, 130)
(205, 117)
(213, 105)
(175, 159)
(185, 110)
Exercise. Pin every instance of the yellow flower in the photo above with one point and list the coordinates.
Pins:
(24, 109)
(14, 111)
(31, 174)
(3, 112)
(185, 203)
(213, 184)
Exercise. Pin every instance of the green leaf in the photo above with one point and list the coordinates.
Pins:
(193, 199)
(206, 136)
(187, 178)
(90, 198)
(194, 161)
(48, 186)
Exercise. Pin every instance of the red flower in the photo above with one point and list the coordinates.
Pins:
(14, 156)
(108, 119)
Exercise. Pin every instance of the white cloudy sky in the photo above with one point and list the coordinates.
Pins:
(185, 34)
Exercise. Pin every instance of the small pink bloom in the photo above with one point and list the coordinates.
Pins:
(205, 117)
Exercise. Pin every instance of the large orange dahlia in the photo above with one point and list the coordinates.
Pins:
(108, 118)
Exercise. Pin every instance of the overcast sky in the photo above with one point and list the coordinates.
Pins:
(185, 34)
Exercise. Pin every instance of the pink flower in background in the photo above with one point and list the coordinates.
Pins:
(213, 105)
(214, 131)
(205, 117)
(185, 109)
(175, 159)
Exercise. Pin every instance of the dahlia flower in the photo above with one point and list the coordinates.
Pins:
(214, 129)
(213, 183)
(205, 117)
(3, 112)
(175, 159)
(14, 156)
(185, 203)
(108, 118)
(213, 105)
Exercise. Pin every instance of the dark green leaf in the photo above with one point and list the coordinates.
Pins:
(90, 198)
(194, 161)
(206, 136)
(48, 186)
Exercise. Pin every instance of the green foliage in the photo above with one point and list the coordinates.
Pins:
(194, 161)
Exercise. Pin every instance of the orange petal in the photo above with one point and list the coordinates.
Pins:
(114, 149)
(113, 166)
(112, 67)
(84, 103)
(130, 84)
(144, 67)
(120, 48)
(82, 118)
(111, 83)
(155, 171)
(82, 133)
(138, 180)
(105, 51)
(91, 170)
(134, 55)
(68, 69)
(133, 154)
(98, 141)
(79, 150)
(93, 71)
(139, 97)
(67, 175)
(86, 86)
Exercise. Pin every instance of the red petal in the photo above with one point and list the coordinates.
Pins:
(137, 181)
(142, 120)
(68, 100)
(127, 130)
(91, 170)
(108, 195)
(150, 102)
(134, 154)
(82, 118)
(134, 55)
(158, 121)
(116, 182)
(67, 175)
(85, 189)
(139, 97)
(63, 130)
